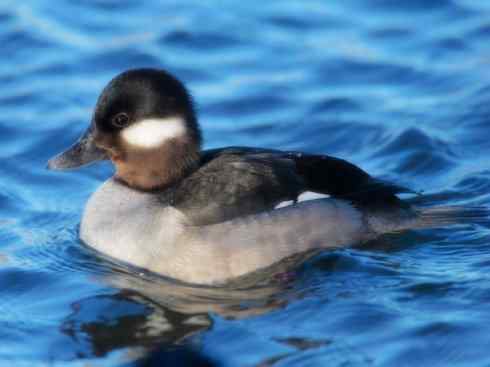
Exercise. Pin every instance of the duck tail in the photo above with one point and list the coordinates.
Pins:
(451, 215)
(412, 218)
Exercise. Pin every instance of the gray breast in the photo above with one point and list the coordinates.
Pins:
(128, 224)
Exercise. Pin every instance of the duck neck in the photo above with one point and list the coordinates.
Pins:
(158, 168)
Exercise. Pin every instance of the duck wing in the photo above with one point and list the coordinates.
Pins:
(238, 181)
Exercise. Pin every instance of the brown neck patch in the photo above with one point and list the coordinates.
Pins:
(156, 168)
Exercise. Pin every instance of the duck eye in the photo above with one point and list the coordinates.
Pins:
(120, 120)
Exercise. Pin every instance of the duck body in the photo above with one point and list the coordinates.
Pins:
(244, 209)
(206, 216)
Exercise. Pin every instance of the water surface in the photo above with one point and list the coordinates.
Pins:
(400, 88)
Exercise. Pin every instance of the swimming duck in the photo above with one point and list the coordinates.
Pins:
(207, 216)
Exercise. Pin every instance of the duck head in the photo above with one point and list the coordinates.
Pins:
(144, 122)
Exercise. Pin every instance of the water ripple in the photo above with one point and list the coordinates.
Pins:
(400, 88)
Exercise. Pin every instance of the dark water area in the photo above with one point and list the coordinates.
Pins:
(400, 88)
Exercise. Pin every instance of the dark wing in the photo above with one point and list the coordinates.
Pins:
(229, 185)
(239, 181)
(344, 180)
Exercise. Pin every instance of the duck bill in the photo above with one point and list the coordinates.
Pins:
(83, 152)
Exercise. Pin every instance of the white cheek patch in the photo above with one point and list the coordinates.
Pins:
(152, 133)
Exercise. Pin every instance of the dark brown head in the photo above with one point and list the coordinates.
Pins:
(144, 121)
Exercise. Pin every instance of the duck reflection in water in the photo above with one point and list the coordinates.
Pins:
(148, 312)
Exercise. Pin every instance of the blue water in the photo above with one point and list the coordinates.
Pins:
(400, 88)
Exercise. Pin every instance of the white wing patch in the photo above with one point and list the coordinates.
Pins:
(305, 196)
(310, 195)
(152, 133)
(283, 204)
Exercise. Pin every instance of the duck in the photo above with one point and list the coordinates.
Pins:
(209, 216)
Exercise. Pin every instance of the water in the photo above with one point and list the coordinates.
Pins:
(400, 88)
